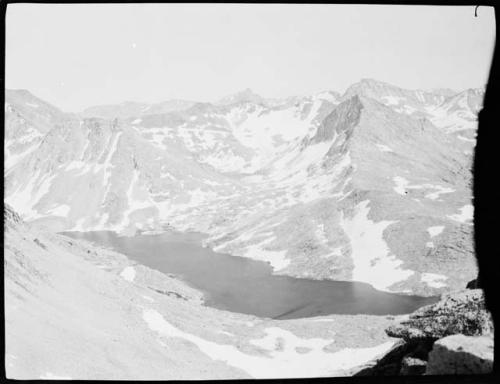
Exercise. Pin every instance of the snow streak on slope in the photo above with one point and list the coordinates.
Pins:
(287, 363)
(373, 262)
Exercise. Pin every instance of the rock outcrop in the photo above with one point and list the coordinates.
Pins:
(452, 336)
(464, 312)
(461, 355)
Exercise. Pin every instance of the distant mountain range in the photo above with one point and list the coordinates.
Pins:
(131, 108)
(371, 185)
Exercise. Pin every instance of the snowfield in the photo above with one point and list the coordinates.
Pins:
(373, 262)
(285, 359)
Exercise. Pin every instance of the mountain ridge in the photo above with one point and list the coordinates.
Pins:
(282, 183)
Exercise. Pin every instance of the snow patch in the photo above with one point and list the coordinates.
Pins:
(392, 100)
(135, 202)
(128, 274)
(12, 159)
(335, 252)
(401, 184)
(26, 197)
(283, 362)
(277, 259)
(370, 254)
(466, 139)
(321, 234)
(433, 280)
(60, 210)
(384, 148)
(439, 191)
(434, 231)
(466, 214)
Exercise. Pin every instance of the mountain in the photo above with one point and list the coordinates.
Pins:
(446, 92)
(244, 96)
(372, 185)
(458, 113)
(32, 111)
(131, 108)
(401, 100)
(27, 120)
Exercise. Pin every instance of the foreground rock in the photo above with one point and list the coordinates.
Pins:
(458, 330)
(412, 366)
(461, 355)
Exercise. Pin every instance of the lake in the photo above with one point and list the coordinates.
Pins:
(248, 286)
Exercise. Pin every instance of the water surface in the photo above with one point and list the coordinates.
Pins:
(248, 286)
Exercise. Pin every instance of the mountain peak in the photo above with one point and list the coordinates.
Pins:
(369, 80)
(244, 96)
(19, 94)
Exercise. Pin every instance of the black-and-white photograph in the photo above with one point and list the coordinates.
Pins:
(243, 191)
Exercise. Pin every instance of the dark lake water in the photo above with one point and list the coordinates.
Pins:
(248, 286)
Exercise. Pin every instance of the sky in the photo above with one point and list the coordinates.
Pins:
(78, 55)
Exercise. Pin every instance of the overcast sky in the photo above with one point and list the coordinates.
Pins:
(75, 56)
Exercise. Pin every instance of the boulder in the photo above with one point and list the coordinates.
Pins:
(463, 312)
(461, 355)
(412, 366)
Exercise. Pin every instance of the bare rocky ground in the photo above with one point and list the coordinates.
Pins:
(78, 311)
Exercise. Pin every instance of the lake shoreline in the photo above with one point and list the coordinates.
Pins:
(243, 285)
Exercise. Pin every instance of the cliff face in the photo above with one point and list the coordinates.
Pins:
(341, 121)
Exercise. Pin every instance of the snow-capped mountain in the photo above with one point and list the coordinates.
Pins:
(401, 100)
(458, 113)
(245, 96)
(373, 185)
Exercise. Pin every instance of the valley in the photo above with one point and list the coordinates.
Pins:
(308, 184)
(247, 237)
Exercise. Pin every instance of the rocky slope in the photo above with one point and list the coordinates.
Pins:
(76, 311)
(373, 185)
